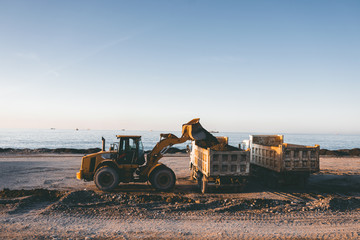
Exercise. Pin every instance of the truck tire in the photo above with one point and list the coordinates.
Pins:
(204, 184)
(240, 187)
(302, 182)
(163, 179)
(273, 182)
(106, 178)
(199, 177)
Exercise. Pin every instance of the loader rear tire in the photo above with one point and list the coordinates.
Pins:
(106, 178)
(163, 179)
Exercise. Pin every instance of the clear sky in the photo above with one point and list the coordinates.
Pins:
(249, 66)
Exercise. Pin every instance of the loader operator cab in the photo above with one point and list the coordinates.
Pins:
(130, 151)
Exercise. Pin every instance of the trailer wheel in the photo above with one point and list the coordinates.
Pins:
(106, 178)
(204, 184)
(163, 179)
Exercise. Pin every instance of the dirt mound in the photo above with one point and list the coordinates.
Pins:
(149, 204)
(217, 147)
(37, 194)
(77, 197)
(15, 201)
(320, 204)
(109, 203)
(224, 147)
(155, 205)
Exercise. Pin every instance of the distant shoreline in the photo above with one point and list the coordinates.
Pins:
(341, 152)
(67, 150)
(323, 152)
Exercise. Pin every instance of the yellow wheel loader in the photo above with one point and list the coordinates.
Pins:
(125, 161)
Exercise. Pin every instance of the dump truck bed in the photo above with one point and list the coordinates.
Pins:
(220, 163)
(269, 151)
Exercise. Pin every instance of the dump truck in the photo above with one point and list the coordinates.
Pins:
(125, 161)
(219, 165)
(278, 163)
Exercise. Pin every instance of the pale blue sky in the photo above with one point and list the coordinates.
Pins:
(250, 66)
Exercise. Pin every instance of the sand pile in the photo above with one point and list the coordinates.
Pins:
(213, 143)
(224, 147)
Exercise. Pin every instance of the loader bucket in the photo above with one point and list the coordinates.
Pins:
(196, 132)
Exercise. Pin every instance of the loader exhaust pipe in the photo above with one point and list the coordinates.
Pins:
(103, 144)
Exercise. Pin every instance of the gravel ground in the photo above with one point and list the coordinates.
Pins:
(41, 199)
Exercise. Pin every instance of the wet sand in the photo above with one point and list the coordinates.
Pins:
(68, 208)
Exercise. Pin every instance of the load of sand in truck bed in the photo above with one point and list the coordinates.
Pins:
(215, 143)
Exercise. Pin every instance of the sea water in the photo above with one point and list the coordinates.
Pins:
(83, 139)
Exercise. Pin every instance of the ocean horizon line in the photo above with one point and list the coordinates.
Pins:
(168, 131)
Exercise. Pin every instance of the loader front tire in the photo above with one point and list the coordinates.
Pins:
(106, 178)
(163, 179)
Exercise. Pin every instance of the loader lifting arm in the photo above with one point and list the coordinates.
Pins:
(190, 131)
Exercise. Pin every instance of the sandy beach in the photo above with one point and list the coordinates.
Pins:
(263, 95)
(63, 207)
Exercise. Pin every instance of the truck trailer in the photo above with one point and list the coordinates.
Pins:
(278, 163)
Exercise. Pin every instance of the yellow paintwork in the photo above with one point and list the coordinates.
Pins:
(152, 158)
(153, 167)
(128, 136)
(79, 175)
(100, 157)
(168, 140)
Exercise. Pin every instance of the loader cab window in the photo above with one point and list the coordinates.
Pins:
(130, 151)
(127, 144)
(127, 152)
(141, 148)
(114, 147)
(124, 145)
(132, 144)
